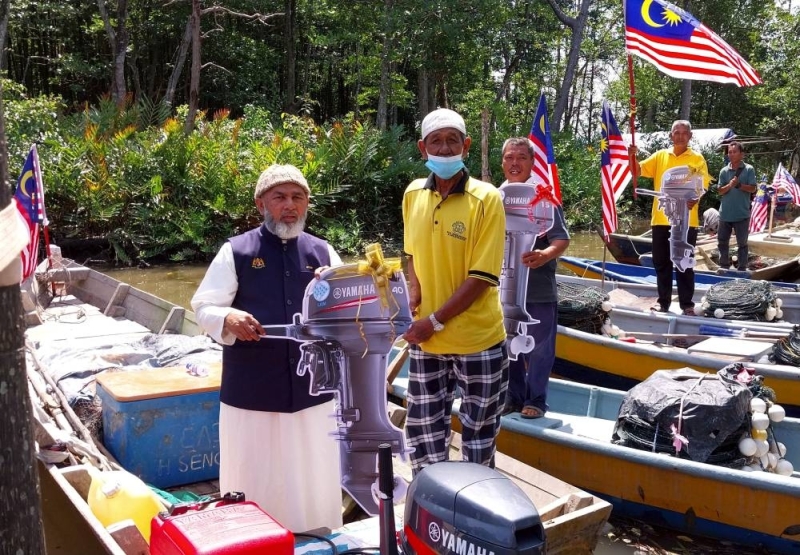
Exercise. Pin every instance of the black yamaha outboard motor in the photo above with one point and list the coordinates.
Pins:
(462, 508)
(351, 317)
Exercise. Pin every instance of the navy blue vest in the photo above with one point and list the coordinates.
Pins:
(272, 274)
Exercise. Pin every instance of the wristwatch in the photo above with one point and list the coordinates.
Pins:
(437, 325)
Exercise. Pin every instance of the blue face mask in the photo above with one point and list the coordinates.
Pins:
(445, 167)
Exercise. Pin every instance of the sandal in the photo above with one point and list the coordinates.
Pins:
(510, 408)
(657, 308)
(530, 412)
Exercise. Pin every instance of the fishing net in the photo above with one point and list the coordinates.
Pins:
(580, 307)
(787, 349)
(741, 299)
(754, 261)
(640, 434)
(90, 412)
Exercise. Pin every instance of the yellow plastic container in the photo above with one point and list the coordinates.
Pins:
(118, 495)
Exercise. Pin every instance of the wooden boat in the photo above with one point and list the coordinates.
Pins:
(627, 249)
(783, 241)
(660, 341)
(645, 295)
(594, 269)
(111, 311)
(573, 442)
(636, 250)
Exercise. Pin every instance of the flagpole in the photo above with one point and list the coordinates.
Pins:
(634, 177)
(772, 202)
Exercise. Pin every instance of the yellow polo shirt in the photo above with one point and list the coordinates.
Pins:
(665, 159)
(450, 240)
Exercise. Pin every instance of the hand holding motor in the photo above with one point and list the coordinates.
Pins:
(243, 326)
(420, 330)
(535, 259)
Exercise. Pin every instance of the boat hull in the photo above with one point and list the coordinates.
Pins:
(680, 496)
(573, 442)
(594, 269)
(606, 362)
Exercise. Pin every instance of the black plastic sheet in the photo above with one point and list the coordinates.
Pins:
(709, 410)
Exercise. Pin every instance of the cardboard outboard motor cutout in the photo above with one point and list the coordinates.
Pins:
(529, 209)
(679, 185)
(351, 317)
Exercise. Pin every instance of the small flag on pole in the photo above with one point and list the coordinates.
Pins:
(615, 172)
(29, 198)
(759, 212)
(680, 46)
(784, 180)
(544, 160)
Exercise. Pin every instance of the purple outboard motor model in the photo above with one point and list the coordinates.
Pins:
(351, 317)
(679, 185)
(524, 222)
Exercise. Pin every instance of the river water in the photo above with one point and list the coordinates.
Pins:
(177, 284)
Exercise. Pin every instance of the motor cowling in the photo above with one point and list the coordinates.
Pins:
(462, 508)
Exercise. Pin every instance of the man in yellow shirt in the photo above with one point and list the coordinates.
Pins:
(454, 233)
(680, 154)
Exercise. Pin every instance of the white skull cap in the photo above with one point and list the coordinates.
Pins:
(441, 118)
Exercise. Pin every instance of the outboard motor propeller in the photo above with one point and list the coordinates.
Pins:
(351, 317)
(679, 185)
(527, 217)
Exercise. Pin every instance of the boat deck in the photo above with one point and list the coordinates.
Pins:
(573, 519)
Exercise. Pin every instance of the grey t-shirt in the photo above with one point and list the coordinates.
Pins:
(735, 205)
(542, 281)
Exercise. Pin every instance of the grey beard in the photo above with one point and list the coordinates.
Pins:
(282, 230)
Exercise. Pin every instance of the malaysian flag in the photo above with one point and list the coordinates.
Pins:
(29, 198)
(759, 213)
(682, 47)
(784, 180)
(544, 161)
(615, 172)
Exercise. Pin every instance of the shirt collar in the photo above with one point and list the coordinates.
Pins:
(459, 187)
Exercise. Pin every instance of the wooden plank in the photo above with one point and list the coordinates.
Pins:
(70, 526)
(129, 538)
(173, 321)
(135, 385)
(117, 298)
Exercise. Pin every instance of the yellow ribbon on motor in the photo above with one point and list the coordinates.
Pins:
(381, 269)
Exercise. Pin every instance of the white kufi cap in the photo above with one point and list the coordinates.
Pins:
(441, 118)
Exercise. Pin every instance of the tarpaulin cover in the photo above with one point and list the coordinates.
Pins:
(714, 408)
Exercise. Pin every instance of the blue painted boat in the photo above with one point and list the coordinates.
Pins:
(573, 443)
(594, 269)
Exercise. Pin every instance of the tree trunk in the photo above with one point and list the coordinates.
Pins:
(194, 81)
(382, 115)
(21, 529)
(577, 25)
(121, 50)
(290, 30)
(172, 84)
(686, 99)
(118, 41)
(3, 35)
(426, 88)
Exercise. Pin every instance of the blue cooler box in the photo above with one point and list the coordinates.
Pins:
(163, 424)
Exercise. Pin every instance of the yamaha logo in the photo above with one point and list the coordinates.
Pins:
(434, 531)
